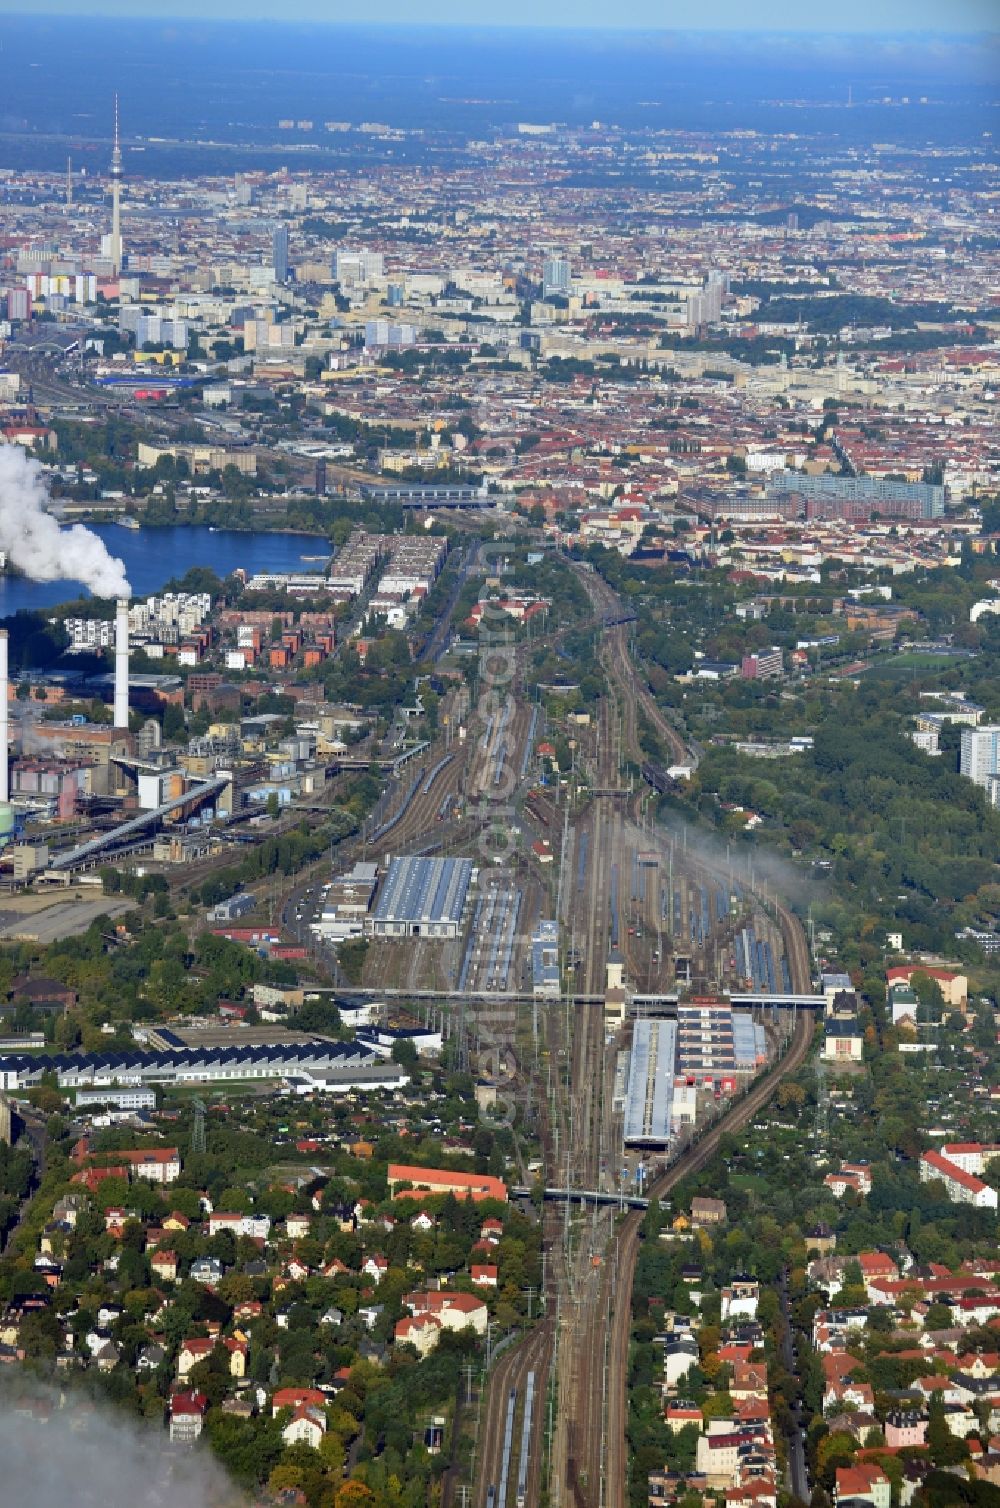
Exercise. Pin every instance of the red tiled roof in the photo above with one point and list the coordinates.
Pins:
(951, 1170)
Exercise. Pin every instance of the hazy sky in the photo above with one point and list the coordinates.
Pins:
(951, 16)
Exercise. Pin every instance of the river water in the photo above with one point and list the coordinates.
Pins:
(153, 556)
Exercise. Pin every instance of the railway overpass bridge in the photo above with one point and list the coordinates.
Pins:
(666, 1004)
(584, 1197)
(639, 1005)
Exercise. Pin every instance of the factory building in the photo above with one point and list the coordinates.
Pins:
(231, 909)
(346, 904)
(649, 1093)
(354, 1067)
(545, 981)
(716, 1042)
(129, 1098)
(423, 898)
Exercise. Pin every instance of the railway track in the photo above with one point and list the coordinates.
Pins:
(532, 1354)
(586, 1330)
(635, 691)
(620, 1270)
(428, 788)
(596, 1459)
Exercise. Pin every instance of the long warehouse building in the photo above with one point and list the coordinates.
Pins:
(341, 1065)
(423, 898)
(650, 1091)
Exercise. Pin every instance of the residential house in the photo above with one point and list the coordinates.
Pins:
(456, 1311)
(852, 1175)
(208, 1270)
(375, 1267)
(865, 1483)
(187, 1417)
(680, 1413)
(708, 1211)
(905, 1428)
(740, 1298)
(679, 1356)
(163, 1265)
(155, 1164)
(307, 1426)
(257, 1226)
(292, 1398)
(421, 1331)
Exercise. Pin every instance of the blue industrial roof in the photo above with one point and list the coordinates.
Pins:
(650, 1092)
(420, 890)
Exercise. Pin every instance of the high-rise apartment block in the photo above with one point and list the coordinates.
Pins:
(358, 267)
(382, 332)
(557, 277)
(18, 304)
(980, 757)
(763, 665)
(279, 253)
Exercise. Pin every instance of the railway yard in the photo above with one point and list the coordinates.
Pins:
(636, 901)
(640, 912)
(501, 908)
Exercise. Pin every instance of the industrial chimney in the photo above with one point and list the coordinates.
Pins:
(4, 721)
(121, 664)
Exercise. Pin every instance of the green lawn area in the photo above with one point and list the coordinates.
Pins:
(750, 1182)
(906, 667)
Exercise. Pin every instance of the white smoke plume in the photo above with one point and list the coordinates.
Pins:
(61, 1450)
(35, 543)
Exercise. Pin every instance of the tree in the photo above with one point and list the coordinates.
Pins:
(284, 1478)
(40, 1334)
(836, 1449)
(928, 993)
(791, 1096)
(355, 1495)
(945, 1448)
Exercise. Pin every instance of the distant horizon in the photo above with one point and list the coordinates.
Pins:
(229, 88)
(909, 20)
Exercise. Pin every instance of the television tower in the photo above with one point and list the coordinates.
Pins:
(116, 189)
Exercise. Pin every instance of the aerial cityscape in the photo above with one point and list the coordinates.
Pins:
(500, 776)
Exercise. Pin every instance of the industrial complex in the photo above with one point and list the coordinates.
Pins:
(321, 1064)
(707, 1049)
